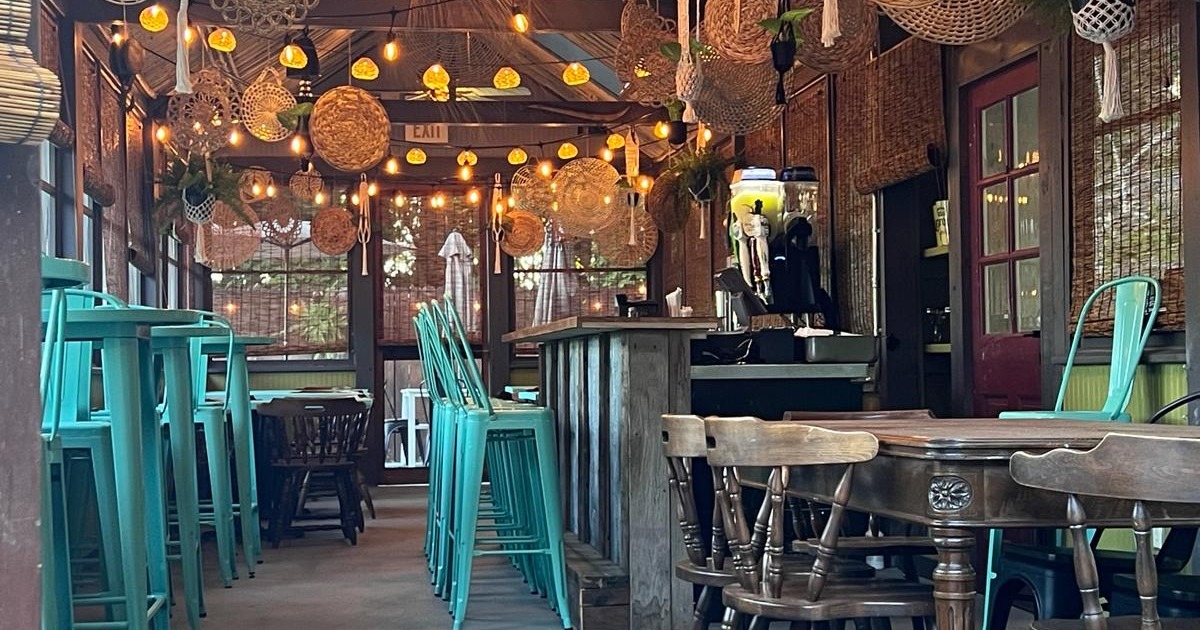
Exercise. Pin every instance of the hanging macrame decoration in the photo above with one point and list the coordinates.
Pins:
(364, 218)
(831, 27)
(199, 209)
(279, 221)
(199, 121)
(633, 157)
(496, 211)
(1103, 22)
(264, 16)
(261, 104)
(183, 73)
(688, 78)
(783, 53)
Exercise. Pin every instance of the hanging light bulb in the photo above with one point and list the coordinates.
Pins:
(467, 157)
(661, 129)
(319, 198)
(415, 156)
(640, 70)
(399, 200)
(511, 201)
(473, 197)
(391, 48)
(545, 169)
(222, 40)
(645, 182)
(188, 35)
(271, 190)
(567, 151)
(256, 189)
(292, 56)
(615, 141)
(391, 165)
(506, 78)
(153, 18)
(299, 144)
(162, 133)
(235, 137)
(705, 135)
(465, 172)
(354, 199)
(576, 74)
(364, 69)
(517, 156)
(606, 154)
(436, 78)
(520, 21)
(372, 189)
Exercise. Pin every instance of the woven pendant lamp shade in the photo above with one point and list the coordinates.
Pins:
(731, 28)
(349, 129)
(958, 22)
(586, 192)
(859, 26)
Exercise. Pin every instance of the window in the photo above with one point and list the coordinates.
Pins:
(174, 275)
(293, 293)
(48, 197)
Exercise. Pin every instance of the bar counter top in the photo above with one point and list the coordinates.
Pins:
(570, 327)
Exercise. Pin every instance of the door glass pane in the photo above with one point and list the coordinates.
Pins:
(995, 299)
(1029, 306)
(995, 219)
(994, 139)
(48, 225)
(1025, 128)
(1027, 193)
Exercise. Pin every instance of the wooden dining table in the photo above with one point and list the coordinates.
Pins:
(951, 475)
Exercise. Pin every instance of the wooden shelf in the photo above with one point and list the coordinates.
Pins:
(937, 348)
(934, 252)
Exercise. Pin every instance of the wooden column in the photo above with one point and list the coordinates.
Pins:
(1189, 56)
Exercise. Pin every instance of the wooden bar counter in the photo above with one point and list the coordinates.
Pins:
(609, 380)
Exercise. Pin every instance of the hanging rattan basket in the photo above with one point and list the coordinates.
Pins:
(349, 129)
(665, 205)
(958, 22)
(737, 98)
(640, 65)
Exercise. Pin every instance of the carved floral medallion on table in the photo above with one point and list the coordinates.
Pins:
(949, 493)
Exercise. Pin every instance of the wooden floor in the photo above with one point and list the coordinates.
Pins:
(320, 583)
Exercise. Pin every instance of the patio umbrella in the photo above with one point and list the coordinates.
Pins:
(458, 277)
(555, 288)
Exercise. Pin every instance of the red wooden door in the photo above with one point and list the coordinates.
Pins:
(1003, 205)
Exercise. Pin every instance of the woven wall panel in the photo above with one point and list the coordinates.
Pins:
(905, 122)
(853, 237)
(142, 236)
(87, 108)
(1126, 174)
(116, 244)
(762, 146)
(808, 145)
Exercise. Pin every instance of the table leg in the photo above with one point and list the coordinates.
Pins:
(243, 446)
(155, 488)
(954, 579)
(180, 415)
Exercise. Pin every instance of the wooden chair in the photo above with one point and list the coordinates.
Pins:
(763, 590)
(1138, 469)
(308, 437)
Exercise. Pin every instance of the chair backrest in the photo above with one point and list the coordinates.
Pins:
(459, 349)
(683, 440)
(439, 373)
(750, 442)
(1135, 309)
(308, 431)
(1135, 468)
(893, 414)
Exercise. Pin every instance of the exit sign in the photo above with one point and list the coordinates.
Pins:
(438, 133)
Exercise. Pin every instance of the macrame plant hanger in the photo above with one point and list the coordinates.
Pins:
(688, 78)
(497, 220)
(364, 218)
(183, 74)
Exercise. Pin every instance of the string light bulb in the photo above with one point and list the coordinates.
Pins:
(467, 157)
(354, 199)
(473, 196)
(299, 143)
(188, 35)
(506, 78)
(391, 48)
(465, 173)
(235, 137)
(153, 18)
(545, 169)
(645, 183)
(399, 200)
(567, 151)
(319, 198)
(364, 69)
(372, 189)
(391, 165)
(415, 156)
(517, 156)
(576, 74)
(606, 154)
(222, 40)
(271, 190)
(292, 56)
(615, 141)
(661, 129)
(520, 21)
(256, 189)
(436, 78)
(162, 133)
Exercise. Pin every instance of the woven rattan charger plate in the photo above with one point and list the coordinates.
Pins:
(349, 129)
(333, 231)
(524, 235)
(586, 190)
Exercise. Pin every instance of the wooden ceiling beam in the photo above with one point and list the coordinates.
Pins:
(502, 112)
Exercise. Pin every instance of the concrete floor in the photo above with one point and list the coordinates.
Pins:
(320, 582)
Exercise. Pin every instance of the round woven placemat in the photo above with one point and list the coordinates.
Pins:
(349, 129)
(261, 103)
(858, 23)
(229, 241)
(200, 121)
(663, 204)
(587, 196)
(958, 22)
(735, 34)
(648, 76)
(524, 235)
(531, 192)
(613, 242)
(306, 184)
(737, 98)
(333, 231)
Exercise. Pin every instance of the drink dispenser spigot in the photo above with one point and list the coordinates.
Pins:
(755, 205)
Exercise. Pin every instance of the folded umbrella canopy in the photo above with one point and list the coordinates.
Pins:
(459, 283)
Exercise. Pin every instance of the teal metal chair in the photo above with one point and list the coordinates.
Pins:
(1136, 303)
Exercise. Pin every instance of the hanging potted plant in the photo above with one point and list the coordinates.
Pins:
(191, 189)
(676, 128)
(783, 45)
(702, 172)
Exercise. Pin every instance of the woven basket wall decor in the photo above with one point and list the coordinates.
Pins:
(264, 16)
(349, 129)
(731, 28)
(229, 240)
(253, 184)
(664, 204)
(200, 121)
(279, 220)
(333, 231)
(261, 103)
(524, 234)
(306, 184)
(531, 192)
(859, 25)
(640, 65)
(587, 196)
(737, 98)
(958, 22)
(613, 242)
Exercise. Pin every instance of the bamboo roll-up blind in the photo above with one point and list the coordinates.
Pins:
(853, 213)
(112, 161)
(142, 236)
(762, 146)
(87, 108)
(1126, 174)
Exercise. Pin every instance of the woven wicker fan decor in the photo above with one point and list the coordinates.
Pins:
(200, 121)
(279, 220)
(261, 103)
(229, 241)
(334, 231)
(859, 26)
(524, 235)
(306, 184)
(737, 98)
(958, 22)
(731, 28)
(640, 65)
(613, 243)
(531, 192)
(349, 129)
(587, 196)
(663, 204)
